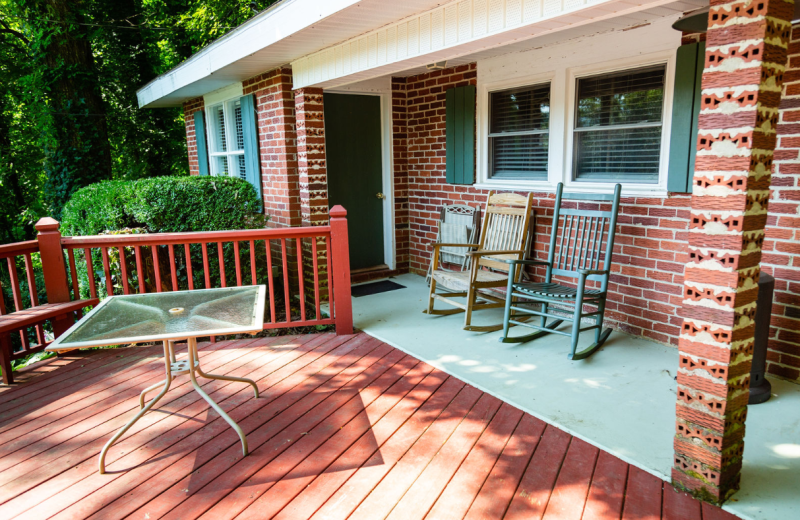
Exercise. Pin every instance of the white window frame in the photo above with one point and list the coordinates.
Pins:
(484, 120)
(225, 97)
(563, 83)
(573, 74)
(489, 135)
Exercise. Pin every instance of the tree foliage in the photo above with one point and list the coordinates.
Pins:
(69, 115)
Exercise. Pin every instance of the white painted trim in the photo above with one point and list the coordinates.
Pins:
(482, 123)
(234, 90)
(562, 64)
(455, 29)
(387, 168)
(224, 97)
(666, 58)
(276, 24)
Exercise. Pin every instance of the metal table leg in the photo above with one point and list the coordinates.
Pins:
(141, 412)
(194, 364)
(174, 368)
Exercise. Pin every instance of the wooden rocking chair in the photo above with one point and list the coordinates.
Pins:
(504, 236)
(576, 251)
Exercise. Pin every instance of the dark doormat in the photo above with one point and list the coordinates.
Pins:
(375, 288)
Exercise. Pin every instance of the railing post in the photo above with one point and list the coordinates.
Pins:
(54, 269)
(340, 261)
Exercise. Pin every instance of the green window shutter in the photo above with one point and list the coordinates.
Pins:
(460, 133)
(686, 100)
(200, 141)
(252, 157)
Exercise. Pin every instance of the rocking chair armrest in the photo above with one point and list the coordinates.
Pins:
(590, 272)
(442, 244)
(484, 252)
(527, 262)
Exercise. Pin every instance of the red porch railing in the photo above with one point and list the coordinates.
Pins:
(313, 263)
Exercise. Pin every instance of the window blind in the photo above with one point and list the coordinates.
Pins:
(618, 126)
(519, 132)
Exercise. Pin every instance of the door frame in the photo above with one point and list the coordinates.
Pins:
(387, 167)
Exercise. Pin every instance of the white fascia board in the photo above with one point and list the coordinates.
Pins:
(281, 21)
(453, 30)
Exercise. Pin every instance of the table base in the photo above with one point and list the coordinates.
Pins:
(174, 368)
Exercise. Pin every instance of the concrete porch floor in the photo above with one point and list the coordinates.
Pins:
(622, 399)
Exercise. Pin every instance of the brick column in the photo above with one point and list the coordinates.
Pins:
(400, 165)
(189, 108)
(313, 179)
(311, 164)
(745, 62)
(277, 144)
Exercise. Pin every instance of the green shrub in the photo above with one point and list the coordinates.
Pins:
(163, 205)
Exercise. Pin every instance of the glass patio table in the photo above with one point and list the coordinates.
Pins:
(167, 317)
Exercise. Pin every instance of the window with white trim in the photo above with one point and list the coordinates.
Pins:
(519, 132)
(226, 139)
(618, 126)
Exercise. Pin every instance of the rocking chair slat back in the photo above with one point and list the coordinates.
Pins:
(506, 225)
(582, 238)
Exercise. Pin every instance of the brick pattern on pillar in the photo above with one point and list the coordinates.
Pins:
(311, 157)
(189, 108)
(277, 142)
(313, 179)
(744, 66)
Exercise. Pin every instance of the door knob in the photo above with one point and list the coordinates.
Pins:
(381, 196)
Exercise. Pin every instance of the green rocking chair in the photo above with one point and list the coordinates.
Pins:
(576, 251)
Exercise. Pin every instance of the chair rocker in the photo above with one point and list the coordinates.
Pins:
(579, 235)
(504, 236)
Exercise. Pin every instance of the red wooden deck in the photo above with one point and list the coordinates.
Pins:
(346, 427)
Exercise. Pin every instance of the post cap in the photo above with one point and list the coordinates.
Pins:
(47, 224)
(338, 212)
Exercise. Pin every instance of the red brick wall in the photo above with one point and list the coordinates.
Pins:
(646, 287)
(189, 108)
(781, 249)
(277, 137)
(425, 130)
(400, 172)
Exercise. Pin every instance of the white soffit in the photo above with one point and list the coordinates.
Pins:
(455, 29)
(273, 38)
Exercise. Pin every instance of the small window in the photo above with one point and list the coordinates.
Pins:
(519, 133)
(226, 139)
(618, 124)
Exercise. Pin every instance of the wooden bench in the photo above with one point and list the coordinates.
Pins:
(25, 318)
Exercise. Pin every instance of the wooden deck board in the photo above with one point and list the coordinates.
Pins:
(346, 427)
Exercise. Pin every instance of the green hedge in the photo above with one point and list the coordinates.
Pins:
(163, 205)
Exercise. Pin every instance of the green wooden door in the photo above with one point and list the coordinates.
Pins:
(353, 154)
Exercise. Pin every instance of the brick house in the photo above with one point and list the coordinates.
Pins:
(345, 102)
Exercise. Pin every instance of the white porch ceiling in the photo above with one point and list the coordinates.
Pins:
(462, 31)
(286, 31)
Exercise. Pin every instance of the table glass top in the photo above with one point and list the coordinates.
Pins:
(137, 318)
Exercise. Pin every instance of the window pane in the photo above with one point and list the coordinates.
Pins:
(240, 168)
(520, 109)
(522, 156)
(519, 156)
(218, 141)
(220, 165)
(618, 155)
(237, 118)
(621, 98)
(610, 147)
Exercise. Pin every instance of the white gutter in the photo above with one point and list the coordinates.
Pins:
(204, 71)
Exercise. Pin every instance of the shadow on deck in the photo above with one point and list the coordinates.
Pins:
(346, 427)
